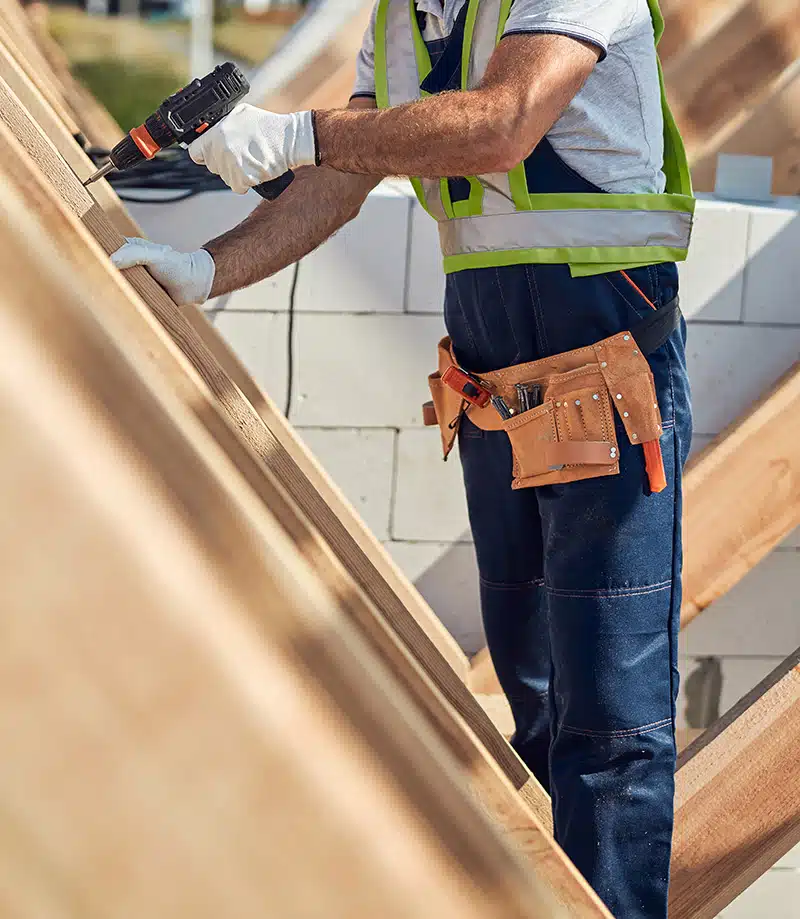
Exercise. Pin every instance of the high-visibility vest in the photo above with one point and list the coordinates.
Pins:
(501, 222)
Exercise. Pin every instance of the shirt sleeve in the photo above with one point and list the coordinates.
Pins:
(594, 21)
(365, 63)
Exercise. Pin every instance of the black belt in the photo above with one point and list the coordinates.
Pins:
(651, 333)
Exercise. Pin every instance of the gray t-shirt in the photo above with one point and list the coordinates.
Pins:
(612, 133)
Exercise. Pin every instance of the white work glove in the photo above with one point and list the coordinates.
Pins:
(186, 276)
(251, 146)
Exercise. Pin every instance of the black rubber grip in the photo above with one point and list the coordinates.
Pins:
(276, 187)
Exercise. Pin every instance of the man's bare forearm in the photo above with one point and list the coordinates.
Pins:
(489, 129)
(277, 234)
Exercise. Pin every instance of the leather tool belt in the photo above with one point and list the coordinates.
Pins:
(569, 434)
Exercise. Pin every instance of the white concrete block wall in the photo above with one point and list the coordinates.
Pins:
(368, 318)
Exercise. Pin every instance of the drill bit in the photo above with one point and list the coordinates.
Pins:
(102, 171)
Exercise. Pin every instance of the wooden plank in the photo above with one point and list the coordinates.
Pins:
(166, 658)
(712, 82)
(759, 456)
(305, 478)
(770, 126)
(688, 22)
(737, 802)
(514, 811)
(18, 39)
(327, 79)
(94, 119)
(60, 135)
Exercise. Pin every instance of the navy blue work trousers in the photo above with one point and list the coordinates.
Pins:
(581, 583)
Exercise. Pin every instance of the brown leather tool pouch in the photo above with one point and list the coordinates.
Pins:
(571, 435)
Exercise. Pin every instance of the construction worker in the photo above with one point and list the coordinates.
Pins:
(571, 207)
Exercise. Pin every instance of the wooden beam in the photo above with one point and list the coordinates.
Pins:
(95, 120)
(305, 478)
(716, 79)
(63, 139)
(512, 798)
(769, 126)
(18, 40)
(328, 79)
(688, 22)
(759, 456)
(167, 657)
(737, 804)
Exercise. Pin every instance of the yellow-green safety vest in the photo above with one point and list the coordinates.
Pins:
(501, 222)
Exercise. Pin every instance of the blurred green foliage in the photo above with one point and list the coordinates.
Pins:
(132, 64)
(130, 90)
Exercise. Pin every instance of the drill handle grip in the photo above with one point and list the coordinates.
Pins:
(273, 189)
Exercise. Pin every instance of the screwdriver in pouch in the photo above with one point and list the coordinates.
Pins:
(182, 118)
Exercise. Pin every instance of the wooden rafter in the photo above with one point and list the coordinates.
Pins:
(713, 81)
(506, 790)
(758, 457)
(323, 500)
(328, 79)
(688, 22)
(168, 654)
(769, 126)
(737, 804)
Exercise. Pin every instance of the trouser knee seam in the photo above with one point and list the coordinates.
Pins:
(628, 732)
(521, 585)
(611, 592)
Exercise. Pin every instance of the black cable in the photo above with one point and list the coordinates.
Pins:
(290, 341)
(134, 200)
(171, 170)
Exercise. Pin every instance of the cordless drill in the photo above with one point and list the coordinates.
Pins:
(182, 118)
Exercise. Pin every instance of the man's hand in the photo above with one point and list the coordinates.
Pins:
(251, 146)
(186, 276)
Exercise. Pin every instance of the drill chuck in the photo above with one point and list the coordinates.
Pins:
(182, 118)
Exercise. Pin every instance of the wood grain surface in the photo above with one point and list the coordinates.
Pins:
(498, 792)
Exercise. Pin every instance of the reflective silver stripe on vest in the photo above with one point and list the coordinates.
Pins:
(573, 229)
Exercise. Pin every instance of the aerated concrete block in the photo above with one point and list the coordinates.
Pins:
(186, 225)
(361, 462)
(731, 367)
(776, 895)
(759, 617)
(447, 577)
(772, 286)
(362, 269)
(425, 273)
(739, 676)
(259, 340)
(429, 501)
(363, 371)
(712, 277)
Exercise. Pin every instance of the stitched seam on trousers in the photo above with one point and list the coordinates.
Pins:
(467, 328)
(521, 585)
(628, 732)
(612, 592)
(537, 309)
(518, 355)
(622, 294)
